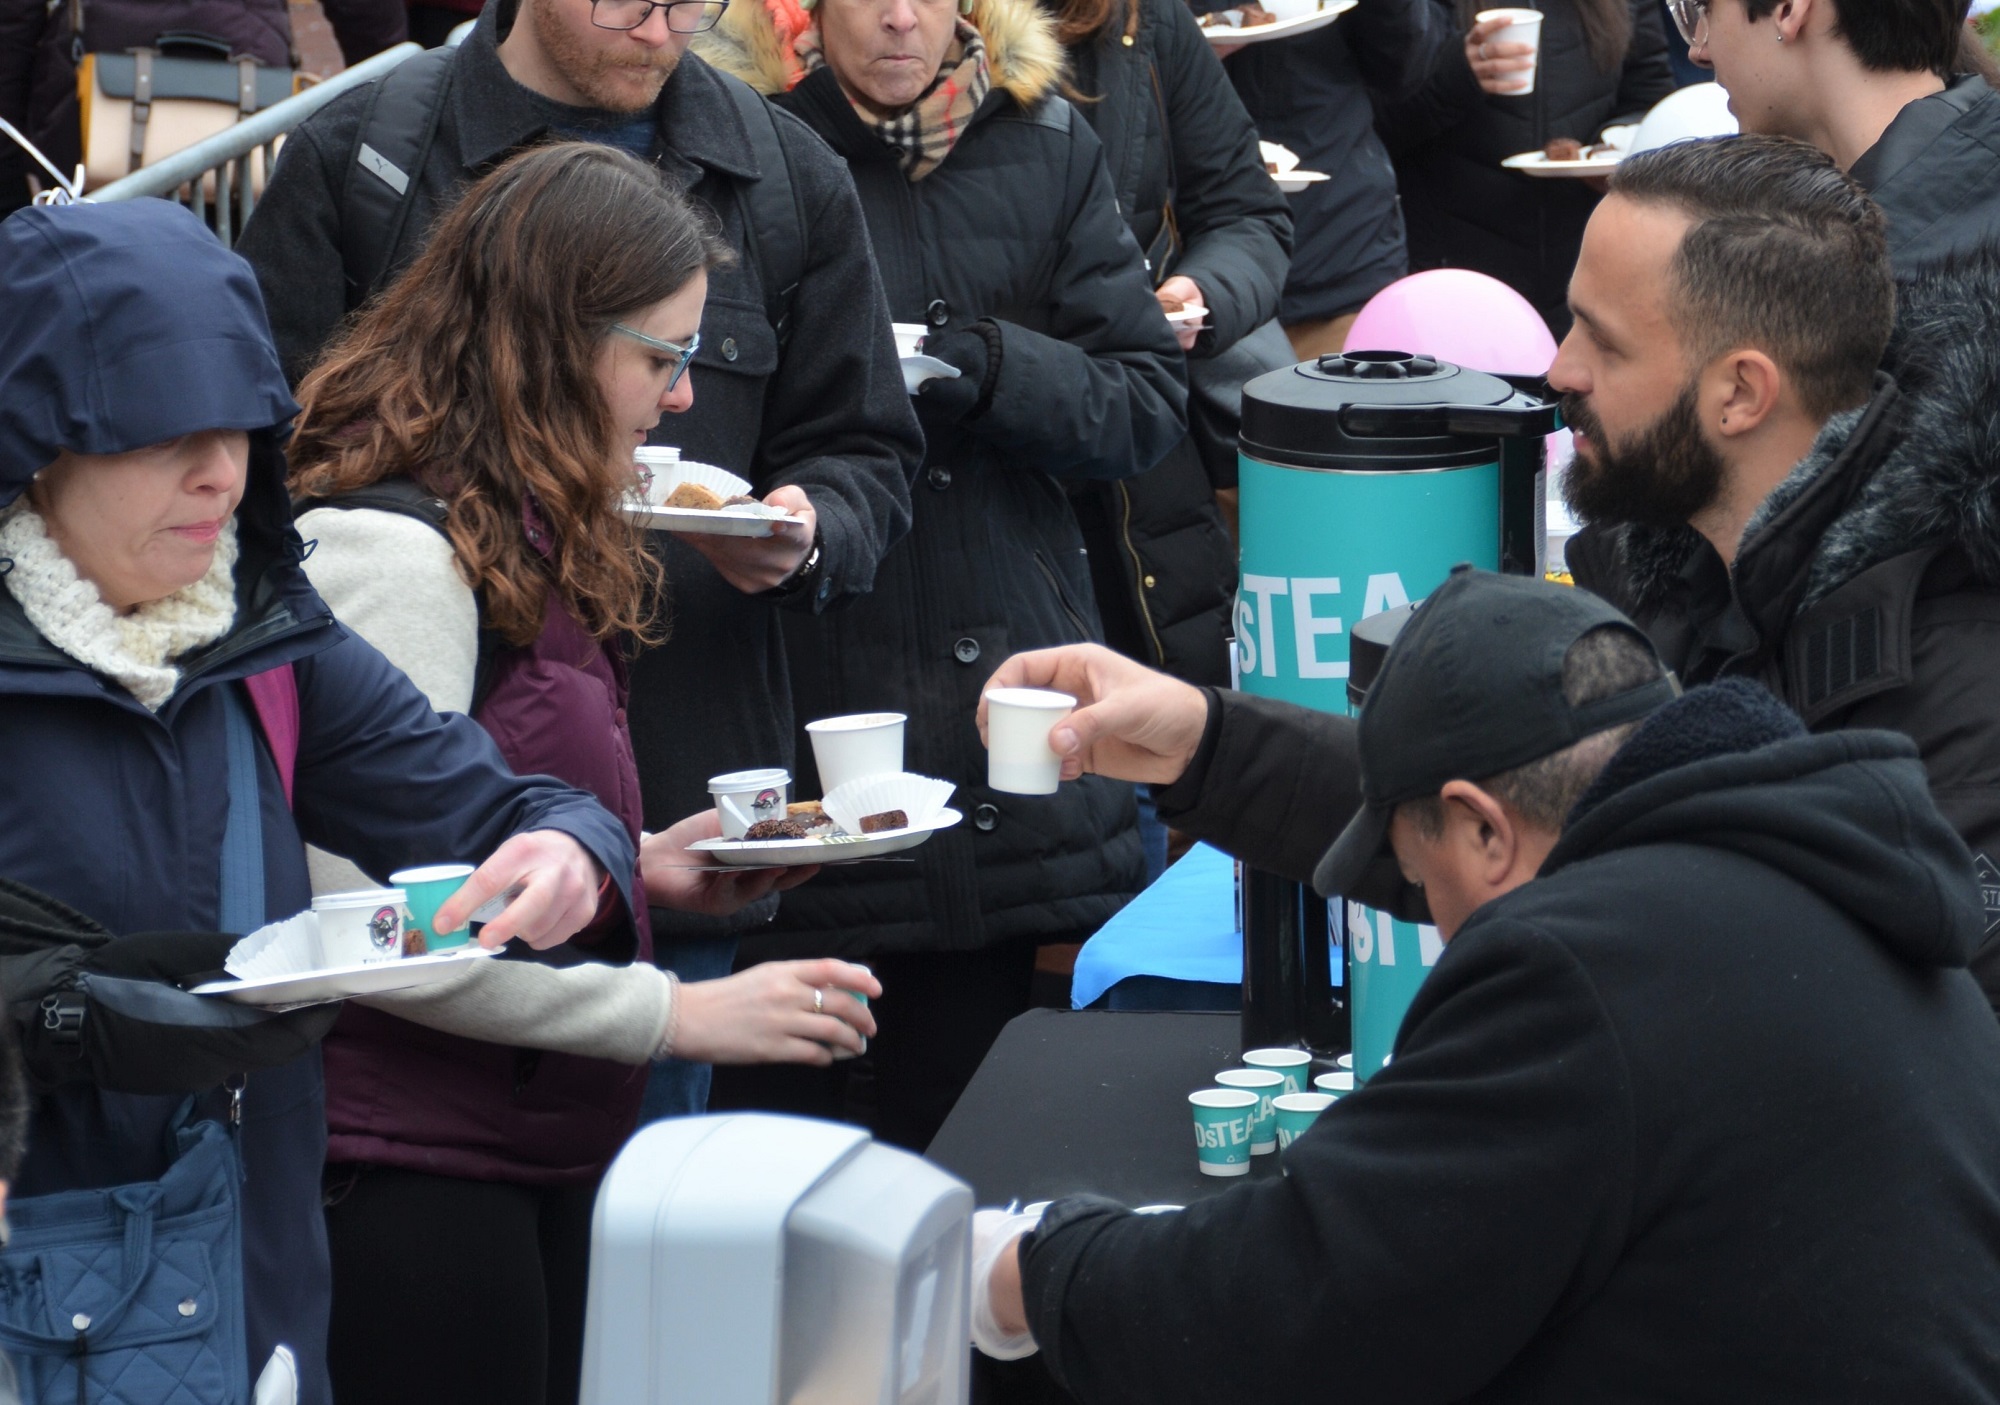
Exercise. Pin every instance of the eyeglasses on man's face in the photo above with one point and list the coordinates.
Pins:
(683, 355)
(683, 16)
(1690, 18)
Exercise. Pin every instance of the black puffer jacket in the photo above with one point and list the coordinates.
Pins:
(1013, 246)
(1463, 208)
(1867, 589)
(1176, 139)
(1704, 1112)
(1936, 174)
(824, 411)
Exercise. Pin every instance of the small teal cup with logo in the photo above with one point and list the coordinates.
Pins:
(1294, 1112)
(1266, 1084)
(429, 889)
(1295, 1064)
(1223, 1119)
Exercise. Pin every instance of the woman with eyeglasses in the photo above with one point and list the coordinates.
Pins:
(1601, 62)
(462, 458)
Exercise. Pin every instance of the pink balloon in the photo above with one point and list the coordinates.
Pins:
(1459, 316)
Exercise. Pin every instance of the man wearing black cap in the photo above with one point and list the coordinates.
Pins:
(1697, 1104)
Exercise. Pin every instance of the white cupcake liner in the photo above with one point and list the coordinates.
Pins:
(286, 948)
(918, 797)
(1274, 155)
(719, 481)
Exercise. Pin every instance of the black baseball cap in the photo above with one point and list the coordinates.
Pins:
(1471, 687)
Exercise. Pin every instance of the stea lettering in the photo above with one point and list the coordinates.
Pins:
(1214, 1136)
(1259, 642)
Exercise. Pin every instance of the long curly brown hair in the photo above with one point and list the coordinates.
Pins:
(474, 373)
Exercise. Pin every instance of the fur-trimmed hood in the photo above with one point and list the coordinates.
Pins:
(754, 43)
(1937, 481)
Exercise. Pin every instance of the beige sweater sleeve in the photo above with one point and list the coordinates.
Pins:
(623, 1013)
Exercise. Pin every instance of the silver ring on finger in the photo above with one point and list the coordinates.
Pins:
(819, 1001)
(1483, 54)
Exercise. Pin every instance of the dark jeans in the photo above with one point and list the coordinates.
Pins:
(448, 1289)
(939, 1013)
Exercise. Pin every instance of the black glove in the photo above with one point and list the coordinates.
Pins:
(975, 351)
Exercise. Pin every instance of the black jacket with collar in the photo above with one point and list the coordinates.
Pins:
(1936, 174)
(1464, 209)
(826, 411)
(1184, 163)
(1707, 1111)
(1014, 247)
(1866, 592)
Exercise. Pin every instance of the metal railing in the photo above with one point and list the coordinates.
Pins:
(214, 177)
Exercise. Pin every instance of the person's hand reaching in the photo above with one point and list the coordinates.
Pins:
(690, 882)
(1130, 723)
(1179, 289)
(551, 884)
(778, 1012)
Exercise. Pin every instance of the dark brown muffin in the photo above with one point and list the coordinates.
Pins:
(775, 829)
(888, 819)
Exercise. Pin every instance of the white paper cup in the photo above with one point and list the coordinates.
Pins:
(1019, 759)
(909, 337)
(863, 744)
(1525, 28)
(361, 928)
(742, 798)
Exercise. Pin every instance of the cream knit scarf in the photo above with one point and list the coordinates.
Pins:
(137, 649)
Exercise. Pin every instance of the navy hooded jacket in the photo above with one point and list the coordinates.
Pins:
(128, 324)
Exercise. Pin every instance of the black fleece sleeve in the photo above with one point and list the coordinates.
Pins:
(1471, 1184)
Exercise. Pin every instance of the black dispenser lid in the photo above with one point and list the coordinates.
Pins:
(1385, 410)
(1368, 645)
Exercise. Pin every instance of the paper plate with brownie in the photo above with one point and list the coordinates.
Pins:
(1281, 163)
(1251, 22)
(1570, 158)
(863, 819)
(672, 496)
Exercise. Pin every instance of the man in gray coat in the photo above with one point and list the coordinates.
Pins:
(797, 383)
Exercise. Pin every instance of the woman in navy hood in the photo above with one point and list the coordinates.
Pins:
(150, 568)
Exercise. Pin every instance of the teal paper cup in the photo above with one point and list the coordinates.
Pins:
(1266, 1084)
(426, 890)
(1295, 1064)
(1295, 1112)
(1223, 1118)
(1337, 1084)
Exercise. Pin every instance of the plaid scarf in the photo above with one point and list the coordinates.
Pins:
(924, 132)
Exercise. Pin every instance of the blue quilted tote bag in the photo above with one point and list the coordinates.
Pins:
(133, 1295)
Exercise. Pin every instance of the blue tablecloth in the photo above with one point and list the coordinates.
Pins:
(1182, 928)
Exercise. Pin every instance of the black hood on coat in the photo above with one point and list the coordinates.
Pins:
(1848, 814)
(1938, 478)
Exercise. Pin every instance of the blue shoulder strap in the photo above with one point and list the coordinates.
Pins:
(243, 835)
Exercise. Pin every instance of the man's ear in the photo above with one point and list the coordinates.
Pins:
(1741, 391)
(1481, 827)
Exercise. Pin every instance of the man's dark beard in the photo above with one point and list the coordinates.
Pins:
(1661, 477)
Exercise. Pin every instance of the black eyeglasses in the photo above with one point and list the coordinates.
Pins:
(683, 16)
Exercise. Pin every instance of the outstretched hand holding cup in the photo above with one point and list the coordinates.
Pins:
(1130, 723)
(550, 883)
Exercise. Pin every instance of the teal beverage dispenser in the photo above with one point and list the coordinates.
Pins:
(1364, 478)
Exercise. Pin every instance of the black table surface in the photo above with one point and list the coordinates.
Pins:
(1070, 1101)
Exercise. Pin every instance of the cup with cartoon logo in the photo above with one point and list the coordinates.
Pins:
(1223, 1119)
(360, 928)
(745, 798)
(1267, 1084)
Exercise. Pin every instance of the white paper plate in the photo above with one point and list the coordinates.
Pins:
(340, 982)
(1292, 182)
(1283, 29)
(738, 521)
(790, 853)
(1282, 157)
(918, 369)
(1193, 313)
(1535, 163)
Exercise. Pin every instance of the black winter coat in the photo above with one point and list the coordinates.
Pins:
(1184, 163)
(825, 411)
(1311, 94)
(1936, 174)
(1016, 232)
(1705, 1111)
(1463, 208)
(1866, 592)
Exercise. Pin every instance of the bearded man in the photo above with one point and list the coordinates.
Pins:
(1761, 496)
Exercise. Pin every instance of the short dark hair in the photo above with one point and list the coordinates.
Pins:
(1786, 254)
(1602, 663)
(1894, 36)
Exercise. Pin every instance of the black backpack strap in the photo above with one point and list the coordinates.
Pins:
(406, 498)
(774, 221)
(396, 135)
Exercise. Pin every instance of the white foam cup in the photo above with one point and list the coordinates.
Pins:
(742, 798)
(361, 928)
(1524, 27)
(863, 744)
(1019, 759)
